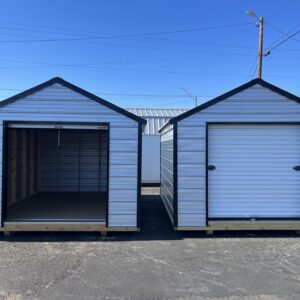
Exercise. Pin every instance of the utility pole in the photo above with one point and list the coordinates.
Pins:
(195, 98)
(260, 42)
(260, 46)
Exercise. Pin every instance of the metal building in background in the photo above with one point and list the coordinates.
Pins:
(156, 118)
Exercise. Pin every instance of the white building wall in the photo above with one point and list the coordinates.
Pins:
(156, 119)
(256, 104)
(60, 104)
(151, 159)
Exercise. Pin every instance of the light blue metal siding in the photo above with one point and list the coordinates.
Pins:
(255, 104)
(60, 104)
(167, 170)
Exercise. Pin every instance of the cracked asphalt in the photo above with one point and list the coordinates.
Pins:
(156, 263)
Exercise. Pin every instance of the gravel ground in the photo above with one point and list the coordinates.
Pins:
(156, 263)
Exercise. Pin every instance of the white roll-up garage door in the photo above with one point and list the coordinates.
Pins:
(252, 171)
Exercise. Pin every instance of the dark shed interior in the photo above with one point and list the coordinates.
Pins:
(56, 175)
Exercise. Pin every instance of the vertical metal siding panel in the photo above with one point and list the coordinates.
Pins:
(256, 104)
(49, 161)
(191, 175)
(93, 158)
(69, 164)
(123, 177)
(74, 165)
(167, 170)
(59, 104)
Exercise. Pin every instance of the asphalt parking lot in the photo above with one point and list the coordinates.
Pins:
(156, 263)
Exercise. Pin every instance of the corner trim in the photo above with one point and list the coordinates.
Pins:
(206, 173)
(4, 165)
(107, 174)
(139, 175)
(175, 176)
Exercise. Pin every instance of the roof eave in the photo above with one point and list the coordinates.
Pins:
(164, 126)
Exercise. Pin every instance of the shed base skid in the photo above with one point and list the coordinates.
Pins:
(243, 225)
(10, 227)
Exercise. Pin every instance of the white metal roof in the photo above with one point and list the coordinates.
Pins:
(156, 117)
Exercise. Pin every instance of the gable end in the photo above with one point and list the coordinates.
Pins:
(233, 92)
(75, 89)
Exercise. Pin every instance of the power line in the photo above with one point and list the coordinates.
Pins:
(123, 94)
(97, 64)
(283, 41)
(43, 31)
(127, 35)
(183, 42)
(282, 32)
(190, 72)
(52, 28)
(285, 34)
(253, 69)
(148, 39)
(280, 8)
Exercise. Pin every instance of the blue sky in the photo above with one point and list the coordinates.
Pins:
(146, 70)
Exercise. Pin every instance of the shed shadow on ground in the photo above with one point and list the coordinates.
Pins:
(155, 225)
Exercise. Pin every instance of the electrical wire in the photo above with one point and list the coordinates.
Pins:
(99, 64)
(279, 40)
(283, 41)
(253, 69)
(280, 8)
(127, 35)
(125, 94)
(282, 32)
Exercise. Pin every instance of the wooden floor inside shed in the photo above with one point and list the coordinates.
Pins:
(60, 206)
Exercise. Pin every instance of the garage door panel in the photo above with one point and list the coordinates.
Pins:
(253, 192)
(259, 199)
(247, 186)
(253, 157)
(240, 161)
(266, 184)
(257, 152)
(253, 137)
(257, 214)
(254, 174)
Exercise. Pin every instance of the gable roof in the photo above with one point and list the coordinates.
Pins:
(75, 89)
(231, 93)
